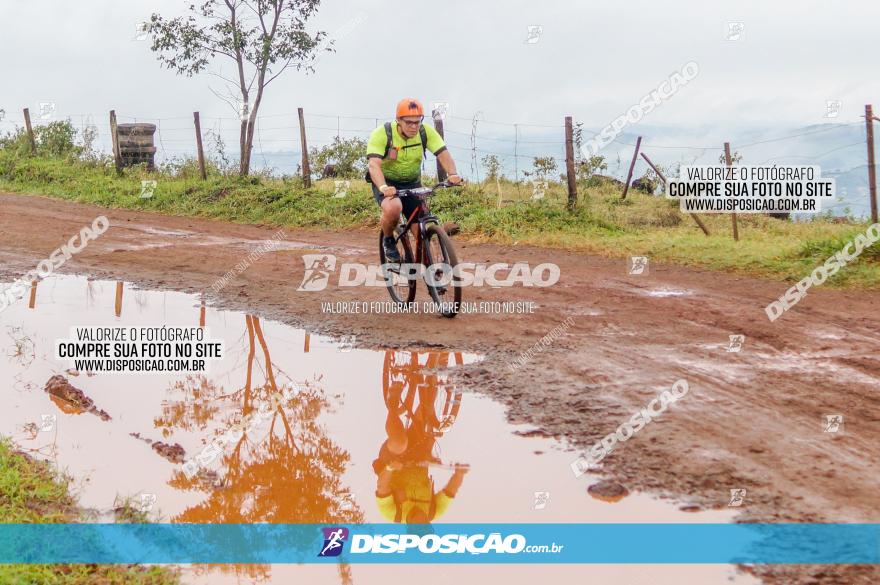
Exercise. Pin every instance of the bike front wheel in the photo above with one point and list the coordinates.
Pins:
(401, 287)
(443, 283)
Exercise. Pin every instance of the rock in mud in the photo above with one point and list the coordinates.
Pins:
(209, 479)
(173, 453)
(532, 433)
(60, 388)
(608, 491)
(144, 439)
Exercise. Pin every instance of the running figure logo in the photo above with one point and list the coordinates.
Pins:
(341, 188)
(737, 497)
(542, 499)
(638, 265)
(539, 187)
(736, 343)
(318, 269)
(534, 32)
(47, 422)
(333, 541)
(832, 108)
(735, 31)
(833, 423)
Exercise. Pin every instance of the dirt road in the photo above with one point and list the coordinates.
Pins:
(753, 419)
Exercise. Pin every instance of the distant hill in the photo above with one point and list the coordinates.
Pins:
(839, 148)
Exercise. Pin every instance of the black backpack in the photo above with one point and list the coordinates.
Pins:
(423, 136)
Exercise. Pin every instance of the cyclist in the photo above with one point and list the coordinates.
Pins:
(394, 155)
(405, 491)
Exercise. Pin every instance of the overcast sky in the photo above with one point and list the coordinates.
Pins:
(593, 59)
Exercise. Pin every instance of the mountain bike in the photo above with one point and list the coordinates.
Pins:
(434, 251)
(427, 397)
(430, 404)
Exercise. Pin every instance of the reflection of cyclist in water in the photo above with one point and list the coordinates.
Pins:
(405, 488)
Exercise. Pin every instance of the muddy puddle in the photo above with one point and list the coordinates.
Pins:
(144, 237)
(316, 459)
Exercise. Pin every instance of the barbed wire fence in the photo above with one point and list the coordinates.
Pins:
(277, 144)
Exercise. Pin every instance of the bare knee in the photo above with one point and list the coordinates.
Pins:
(397, 445)
(391, 209)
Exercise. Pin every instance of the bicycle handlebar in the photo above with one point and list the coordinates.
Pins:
(426, 190)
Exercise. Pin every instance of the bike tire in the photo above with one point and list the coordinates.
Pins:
(444, 408)
(449, 306)
(407, 257)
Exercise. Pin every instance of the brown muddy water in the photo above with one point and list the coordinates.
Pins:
(313, 460)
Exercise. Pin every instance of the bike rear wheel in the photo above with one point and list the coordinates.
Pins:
(401, 288)
(440, 251)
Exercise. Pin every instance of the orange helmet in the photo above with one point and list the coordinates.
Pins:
(409, 107)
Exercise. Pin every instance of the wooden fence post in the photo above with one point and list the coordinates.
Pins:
(306, 171)
(30, 130)
(32, 301)
(117, 155)
(438, 126)
(632, 165)
(665, 182)
(117, 307)
(656, 170)
(569, 164)
(872, 169)
(732, 215)
(202, 171)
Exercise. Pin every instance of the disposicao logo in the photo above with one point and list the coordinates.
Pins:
(319, 268)
(493, 543)
(334, 538)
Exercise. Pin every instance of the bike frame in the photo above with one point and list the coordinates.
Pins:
(423, 215)
(427, 385)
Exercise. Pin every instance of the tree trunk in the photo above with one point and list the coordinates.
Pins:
(248, 129)
(243, 157)
(249, 143)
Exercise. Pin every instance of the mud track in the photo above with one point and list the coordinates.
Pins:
(752, 419)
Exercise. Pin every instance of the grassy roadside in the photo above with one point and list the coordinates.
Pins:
(602, 223)
(32, 492)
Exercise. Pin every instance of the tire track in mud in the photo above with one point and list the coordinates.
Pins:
(752, 419)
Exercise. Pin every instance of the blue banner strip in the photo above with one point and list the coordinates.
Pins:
(441, 543)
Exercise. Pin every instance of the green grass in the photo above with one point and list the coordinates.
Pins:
(601, 224)
(32, 492)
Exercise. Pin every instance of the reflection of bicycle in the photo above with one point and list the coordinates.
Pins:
(434, 250)
(422, 406)
(438, 402)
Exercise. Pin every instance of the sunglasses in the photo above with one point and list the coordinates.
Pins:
(411, 122)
